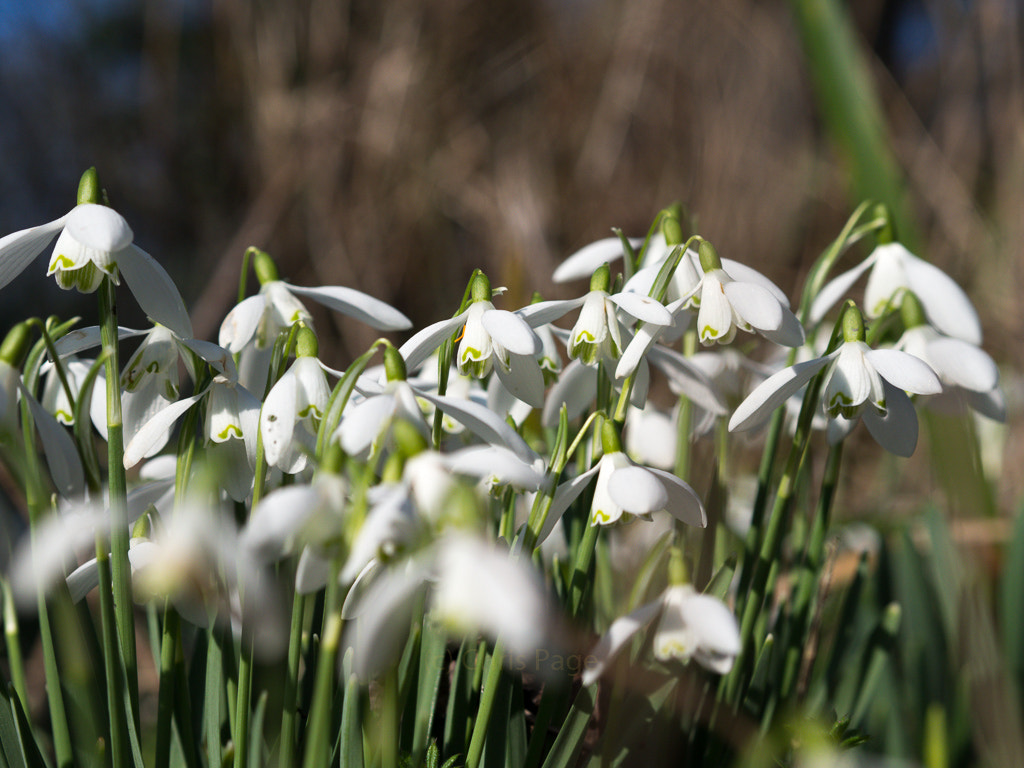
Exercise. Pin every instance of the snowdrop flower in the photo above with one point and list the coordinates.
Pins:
(96, 242)
(622, 487)
(968, 374)
(737, 297)
(596, 336)
(491, 339)
(893, 271)
(293, 408)
(473, 588)
(251, 328)
(688, 626)
(860, 382)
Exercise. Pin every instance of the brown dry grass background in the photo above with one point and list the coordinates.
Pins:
(394, 146)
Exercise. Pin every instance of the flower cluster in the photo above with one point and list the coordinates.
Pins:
(465, 488)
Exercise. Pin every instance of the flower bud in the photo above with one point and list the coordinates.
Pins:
(708, 256)
(610, 440)
(15, 345)
(306, 344)
(601, 278)
(671, 228)
(480, 289)
(89, 190)
(394, 364)
(853, 323)
(264, 267)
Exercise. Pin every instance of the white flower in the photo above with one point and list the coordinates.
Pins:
(596, 336)
(251, 328)
(492, 339)
(861, 382)
(291, 414)
(730, 295)
(895, 270)
(623, 487)
(475, 589)
(95, 241)
(689, 626)
(968, 374)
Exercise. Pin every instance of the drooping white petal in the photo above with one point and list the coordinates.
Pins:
(98, 227)
(637, 490)
(18, 249)
(241, 323)
(683, 502)
(61, 456)
(773, 392)
(156, 428)
(717, 625)
(277, 419)
(904, 370)
(544, 312)
(523, 378)
(218, 357)
(836, 288)
(141, 405)
(896, 431)
(582, 263)
(312, 573)
(790, 333)
(154, 290)
(362, 423)
(497, 464)
(619, 633)
(511, 332)
(688, 378)
(715, 317)
(274, 522)
(374, 312)
(944, 302)
(887, 279)
(424, 342)
(742, 273)
(576, 389)
(643, 308)
(482, 422)
(564, 495)
(81, 339)
(756, 305)
(851, 381)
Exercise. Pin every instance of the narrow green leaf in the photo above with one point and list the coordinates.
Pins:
(565, 751)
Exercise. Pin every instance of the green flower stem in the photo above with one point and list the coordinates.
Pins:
(169, 648)
(814, 556)
(762, 567)
(117, 489)
(487, 698)
(584, 557)
(318, 731)
(119, 749)
(289, 714)
(685, 422)
(35, 501)
(13, 644)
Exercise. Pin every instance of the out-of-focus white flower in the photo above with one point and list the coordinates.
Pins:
(96, 242)
(474, 588)
(894, 271)
(688, 625)
(969, 375)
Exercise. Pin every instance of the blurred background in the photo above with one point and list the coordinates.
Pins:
(394, 146)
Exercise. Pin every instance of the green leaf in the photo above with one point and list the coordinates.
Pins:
(18, 748)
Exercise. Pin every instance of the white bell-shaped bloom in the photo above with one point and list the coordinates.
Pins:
(492, 339)
(893, 271)
(860, 382)
(688, 625)
(95, 241)
(969, 375)
(622, 487)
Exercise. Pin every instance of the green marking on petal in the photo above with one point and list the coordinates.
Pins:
(231, 430)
